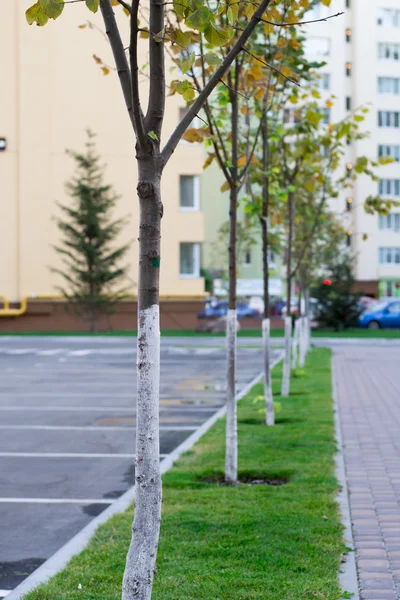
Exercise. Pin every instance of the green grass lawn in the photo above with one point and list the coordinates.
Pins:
(255, 333)
(238, 543)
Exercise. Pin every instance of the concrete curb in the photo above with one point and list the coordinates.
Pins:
(348, 575)
(61, 558)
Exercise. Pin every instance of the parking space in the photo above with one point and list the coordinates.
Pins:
(67, 431)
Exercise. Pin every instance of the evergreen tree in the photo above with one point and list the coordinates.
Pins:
(92, 269)
(339, 305)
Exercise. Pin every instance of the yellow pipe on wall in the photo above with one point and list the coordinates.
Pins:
(14, 312)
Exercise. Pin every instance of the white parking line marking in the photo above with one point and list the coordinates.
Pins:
(4, 593)
(56, 501)
(100, 409)
(79, 352)
(91, 428)
(65, 455)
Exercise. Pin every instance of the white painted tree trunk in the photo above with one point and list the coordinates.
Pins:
(286, 360)
(269, 401)
(303, 342)
(231, 458)
(295, 344)
(141, 559)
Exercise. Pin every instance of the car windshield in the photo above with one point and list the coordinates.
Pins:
(376, 307)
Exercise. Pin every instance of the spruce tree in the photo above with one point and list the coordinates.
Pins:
(92, 271)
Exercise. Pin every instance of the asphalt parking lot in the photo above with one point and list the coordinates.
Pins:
(67, 431)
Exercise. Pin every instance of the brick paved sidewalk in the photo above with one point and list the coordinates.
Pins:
(368, 385)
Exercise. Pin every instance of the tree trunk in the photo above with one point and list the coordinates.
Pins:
(288, 320)
(141, 559)
(295, 343)
(266, 324)
(231, 459)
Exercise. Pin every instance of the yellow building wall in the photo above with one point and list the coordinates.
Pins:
(52, 92)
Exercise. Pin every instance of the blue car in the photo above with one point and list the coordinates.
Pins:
(221, 310)
(382, 315)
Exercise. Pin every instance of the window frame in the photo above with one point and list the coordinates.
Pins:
(196, 193)
(196, 260)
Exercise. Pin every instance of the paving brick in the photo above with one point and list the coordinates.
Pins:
(369, 400)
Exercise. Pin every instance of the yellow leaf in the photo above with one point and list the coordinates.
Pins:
(326, 2)
(364, 237)
(256, 72)
(243, 109)
(295, 44)
(105, 70)
(242, 161)
(305, 4)
(331, 127)
(329, 104)
(225, 187)
(260, 94)
(282, 43)
(286, 72)
(82, 26)
(268, 29)
(97, 59)
(209, 160)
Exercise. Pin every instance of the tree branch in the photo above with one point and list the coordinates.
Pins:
(125, 5)
(213, 82)
(133, 56)
(156, 106)
(120, 59)
(339, 14)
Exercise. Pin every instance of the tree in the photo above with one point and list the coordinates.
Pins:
(199, 23)
(92, 271)
(338, 304)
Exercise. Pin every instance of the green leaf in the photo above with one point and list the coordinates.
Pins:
(52, 8)
(232, 13)
(181, 8)
(359, 118)
(186, 91)
(187, 62)
(183, 38)
(199, 18)
(213, 59)
(152, 134)
(93, 5)
(218, 36)
(35, 14)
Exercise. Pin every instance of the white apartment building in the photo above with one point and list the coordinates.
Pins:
(362, 52)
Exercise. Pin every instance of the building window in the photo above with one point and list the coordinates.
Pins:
(389, 187)
(317, 46)
(348, 35)
(189, 262)
(392, 151)
(389, 287)
(388, 118)
(389, 85)
(389, 222)
(348, 103)
(389, 51)
(348, 239)
(388, 17)
(348, 69)
(189, 192)
(324, 81)
(389, 256)
(349, 202)
(348, 4)
(326, 115)
(247, 258)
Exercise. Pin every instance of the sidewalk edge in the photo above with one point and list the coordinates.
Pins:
(348, 572)
(61, 558)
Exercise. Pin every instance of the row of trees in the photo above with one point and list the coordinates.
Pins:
(264, 126)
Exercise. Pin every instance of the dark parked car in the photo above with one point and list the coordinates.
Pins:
(382, 315)
(220, 309)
